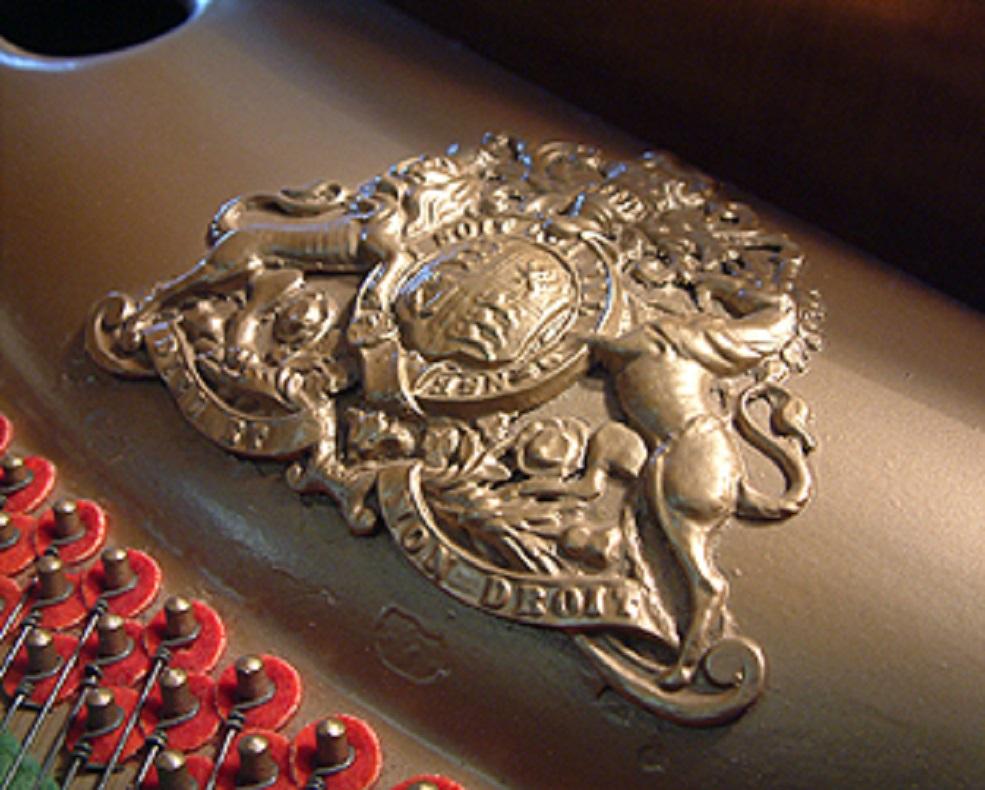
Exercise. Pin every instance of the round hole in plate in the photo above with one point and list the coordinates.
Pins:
(87, 27)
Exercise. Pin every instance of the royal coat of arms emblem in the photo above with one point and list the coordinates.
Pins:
(542, 371)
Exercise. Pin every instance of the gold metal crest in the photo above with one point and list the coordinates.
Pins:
(535, 367)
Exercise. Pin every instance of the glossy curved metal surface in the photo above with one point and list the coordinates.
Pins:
(867, 605)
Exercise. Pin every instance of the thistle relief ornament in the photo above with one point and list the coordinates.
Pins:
(536, 368)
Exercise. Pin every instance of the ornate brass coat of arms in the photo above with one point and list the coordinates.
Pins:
(537, 368)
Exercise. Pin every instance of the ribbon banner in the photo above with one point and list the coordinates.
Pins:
(602, 601)
(239, 432)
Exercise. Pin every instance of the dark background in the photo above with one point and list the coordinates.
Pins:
(866, 118)
(86, 27)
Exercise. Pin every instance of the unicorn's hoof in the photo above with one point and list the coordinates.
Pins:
(677, 677)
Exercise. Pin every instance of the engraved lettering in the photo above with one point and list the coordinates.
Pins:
(567, 602)
(235, 430)
(470, 385)
(257, 435)
(497, 380)
(196, 405)
(443, 236)
(467, 229)
(415, 539)
(531, 601)
(627, 604)
(182, 382)
(496, 593)
(595, 601)
(438, 562)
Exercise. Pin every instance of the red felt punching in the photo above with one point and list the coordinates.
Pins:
(124, 671)
(64, 645)
(199, 768)
(276, 711)
(80, 547)
(279, 750)
(18, 555)
(193, 733)
(64, 614)
(6, 433)
(103, 745)
(134, 600)
(30, 498)
(10, 594)
(366, 763)
(441, 782)
(202, 653)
